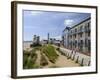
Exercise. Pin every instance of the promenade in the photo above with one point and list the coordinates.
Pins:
(80, 58)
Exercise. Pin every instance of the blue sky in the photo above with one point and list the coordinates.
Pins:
(43, 22)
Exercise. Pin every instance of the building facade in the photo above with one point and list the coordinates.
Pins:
(78, 37)
(65, 39)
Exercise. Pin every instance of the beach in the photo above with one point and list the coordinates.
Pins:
(26, 44)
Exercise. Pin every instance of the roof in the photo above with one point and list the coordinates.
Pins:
(80, 22)
(68, 28)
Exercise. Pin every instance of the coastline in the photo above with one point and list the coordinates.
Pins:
(26, 44)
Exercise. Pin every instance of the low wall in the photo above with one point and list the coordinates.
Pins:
(80, 58)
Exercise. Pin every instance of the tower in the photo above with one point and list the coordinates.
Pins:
(48, 37)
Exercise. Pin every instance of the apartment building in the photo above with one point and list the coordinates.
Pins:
(78, 37)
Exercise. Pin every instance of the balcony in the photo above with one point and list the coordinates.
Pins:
(87, 29)
(80, 31)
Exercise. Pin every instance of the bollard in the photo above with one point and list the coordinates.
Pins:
(68, 56)
(89, 63)
(73, 56)
(77, 59)
(82, 62)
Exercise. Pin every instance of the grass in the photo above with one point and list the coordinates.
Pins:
(29, 59)
(43, 61)
(50, 52)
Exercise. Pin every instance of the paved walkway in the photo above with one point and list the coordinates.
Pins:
(86, 59)
(49, 63)
(38, 57)
(62, 61)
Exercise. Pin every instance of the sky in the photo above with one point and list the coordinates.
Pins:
(41, 23)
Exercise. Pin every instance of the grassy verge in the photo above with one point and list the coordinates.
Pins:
(43, 61)
(50, 52)
(29, 58)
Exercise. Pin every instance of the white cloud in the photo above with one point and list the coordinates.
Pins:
(68, 22)
(35, 13)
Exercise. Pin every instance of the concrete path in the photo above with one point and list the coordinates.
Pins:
(49, 63)
(86, 59)
(62, 61)
(38, 57)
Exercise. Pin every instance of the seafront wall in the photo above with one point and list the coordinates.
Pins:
(80, 58)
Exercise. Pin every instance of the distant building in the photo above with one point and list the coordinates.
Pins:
(54, 41)
(48, 38)
(78, 37)
(36, 39)
(51, 41)
(57, 42)
(44, 41)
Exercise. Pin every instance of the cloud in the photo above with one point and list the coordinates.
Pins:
(35, 13)
(32, 13)
(68, 22)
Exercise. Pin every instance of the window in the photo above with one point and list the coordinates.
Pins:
(88, 34)
(75, 44)
(81, 35)
(85, 42)
(81, 43)
(88, 24)
(75, 30)
(71, 31)
(89, 45)
(81, 28)
(75, 35)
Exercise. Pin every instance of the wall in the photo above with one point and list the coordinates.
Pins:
(5, 40)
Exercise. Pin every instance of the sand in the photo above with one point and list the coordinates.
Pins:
(62, 61)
